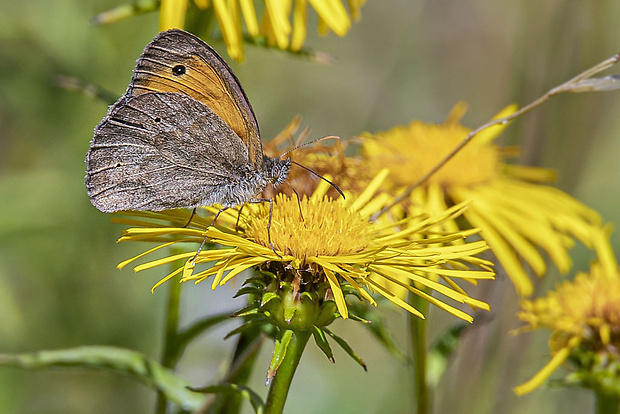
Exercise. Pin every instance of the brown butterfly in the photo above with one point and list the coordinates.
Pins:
(183, 135)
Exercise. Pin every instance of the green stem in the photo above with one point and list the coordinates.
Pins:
(247, 348)
(417, 327)
(607, 403)
(284, 376)
(171, 330)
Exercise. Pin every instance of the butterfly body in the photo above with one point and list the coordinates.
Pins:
(183, 135)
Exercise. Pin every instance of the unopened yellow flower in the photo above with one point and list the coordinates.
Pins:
(326, 157)
(517, 214)
(582, 314)
(283, 23)
(333, 242)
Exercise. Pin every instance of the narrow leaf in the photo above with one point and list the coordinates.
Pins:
(246, 392)
(118, 360)
(279, 351)
(321, 342)
(344, 345)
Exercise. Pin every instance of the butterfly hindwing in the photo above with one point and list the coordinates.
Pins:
(163, 150)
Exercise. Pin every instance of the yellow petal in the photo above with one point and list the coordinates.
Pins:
(172, 14)
(300, 24)
(333, 14)
(338, 295)
(249, 16)
(278, 17)
(557, 360)
(504, 253)
(489, 134)
(230, 34)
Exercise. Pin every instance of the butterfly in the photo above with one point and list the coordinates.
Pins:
(183, 135)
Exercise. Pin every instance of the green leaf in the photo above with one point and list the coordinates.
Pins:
(321, 342)
(441, 351)
(256, 281)
(251, 309)
(268, 297)
(304, 53)
(358, 319)
(246, 325)
(246, 392)
(125, 11)
(119, 360)
(248, 290)
(344, 345)
(373, 321)
(187, 335)
(350, 290)
(282, 340)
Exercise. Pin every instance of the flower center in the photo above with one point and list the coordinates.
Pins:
(417, 148)
(327, 227)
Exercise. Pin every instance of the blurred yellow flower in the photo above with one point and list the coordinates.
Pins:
(517, 215)
(276, 25)
(333, 243)
(323, 158)
(583, 315)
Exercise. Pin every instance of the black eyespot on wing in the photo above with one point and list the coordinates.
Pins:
(178, 70)
(158, 119)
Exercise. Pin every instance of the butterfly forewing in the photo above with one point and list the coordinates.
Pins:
(177, 152)
(177, 61)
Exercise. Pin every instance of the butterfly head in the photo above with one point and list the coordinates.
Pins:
(276, 170)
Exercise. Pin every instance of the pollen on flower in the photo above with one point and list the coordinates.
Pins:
(418, 147)
(584, 316)
(327, 228)
(588, 307)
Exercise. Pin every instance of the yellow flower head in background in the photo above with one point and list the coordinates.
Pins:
(584, 318)
(333, 244)
(518, 216)
(282, 23)
(323, 158)
(276, 24)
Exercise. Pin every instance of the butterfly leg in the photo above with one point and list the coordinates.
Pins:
(220, 211)
(238, 217)
(264, 200)
(190, 218)
(301, 214)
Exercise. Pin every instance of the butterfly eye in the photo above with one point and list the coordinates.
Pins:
(178, 70)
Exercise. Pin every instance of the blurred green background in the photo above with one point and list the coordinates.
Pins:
(406, 59)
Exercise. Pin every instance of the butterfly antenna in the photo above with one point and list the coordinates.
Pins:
(309, 143)
(321, 177)
(301, 214)
(302, 137)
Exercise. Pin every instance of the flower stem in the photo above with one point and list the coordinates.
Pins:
(284, 376)
(417, 327)
(171, 331)
(607, 403)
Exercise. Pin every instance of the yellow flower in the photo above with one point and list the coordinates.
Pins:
(323, 158)
(276, 25)
(333, 244)
(518, 216)
(583, 315)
